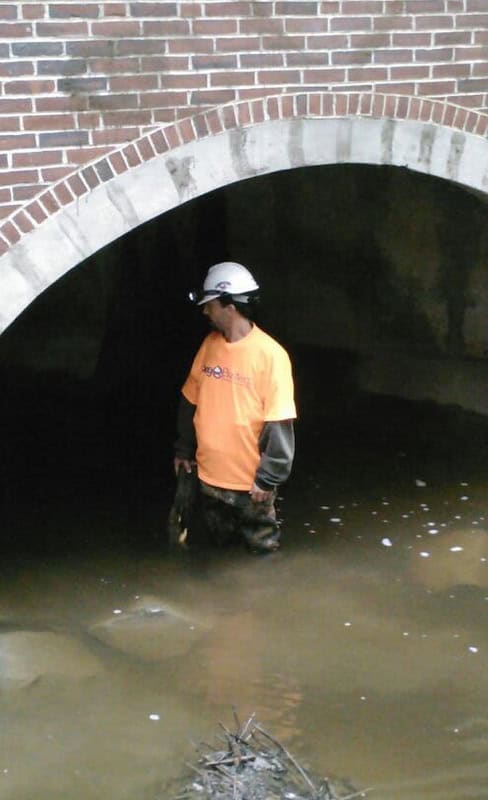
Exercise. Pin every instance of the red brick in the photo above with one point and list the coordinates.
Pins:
(54, 174)
(4, 247)
(70, 10)
(77, 186)
(49, 202)
(393, 56)
(62, 30)
(315, 104)
(80, 156)
(435, 88)
(257, 111)
(341, 105)
(110, 102)
(243, 114)
(212, 97)
(114, 9)
(235, 44)
(409, 73)
(351, 24)
(166, 115)
(229, 117)
(240, 78)
(214, 62)
(190, 81)
(480, 70)
(114, 136)
(261, 25)
(49, 122)
(141, 9)
(9, 124)
(10, 233)
(37, 158)
(213, 122)
(396, 88)
(104, 170)
(307, 25)
(330, 7)
(116, 29)
(452, 37)
(367, 74)
(5, 195)
(437, 23)
(57, 104)
(199, 45)
(323, 75)
(277, 77)
(33, 11)
(451, 70)
(159, 142)
(118, 163)
(15, 30)
(29, 87)
(15, 105)
(472, 21)
(214, 27)
(12, 69)
(378, 105)
(13, 177)
(89, 119)
(188, 9)
(172, 136)
(165, 63)
(162, 99)
(62, 194)
(261, 60)
(166, 27)
(272, 108)
(297, 7)
(327, 42)
(24, 193)
(437, 113)
(36, 212)
(362, 7)
(112, 119)
(133, 83)
(145, 149)
(411, 39)
(8, 11)
(352, 57)
(234, 9)
(22, 220)
(6, 211)
(283, 43)
(432, 55)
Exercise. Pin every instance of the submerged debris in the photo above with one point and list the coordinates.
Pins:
(253, 765)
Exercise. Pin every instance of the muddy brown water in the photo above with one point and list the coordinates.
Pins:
(362, 644)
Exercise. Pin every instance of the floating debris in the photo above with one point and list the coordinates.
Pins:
(253, 765)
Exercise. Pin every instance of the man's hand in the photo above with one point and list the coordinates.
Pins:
(260, 495)
(187, 464)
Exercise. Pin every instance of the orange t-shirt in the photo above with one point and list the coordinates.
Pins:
(237, 387)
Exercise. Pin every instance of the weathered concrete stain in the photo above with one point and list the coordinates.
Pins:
(456, 150)
(427, 140)
(121, 202)
(180, 170)
(344, 141)
(73, 232)
(238, 153)
(387, 135)
(295, 147)
(25, 266)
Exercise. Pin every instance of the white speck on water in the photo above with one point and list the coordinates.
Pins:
(5, 771)
(464, 483)
(475, 522)
(452, 596)
(456, 549)
(433, 531)
(483, 559)
(137, 597)
(312, 530)
(472, 649)
(420, 483)
(431, 524)
(456, 730)
(387, 542)
(455, 635)
(197, 786)
(374, 512)
(342, 506)
(418, 536)
(385, 503)
(347, 624)
(458, 516)
(363, 697)
(335, 519)
(424, 554)
(325, 508)
(117, 611)
(154, 717)
(307, 524)
(192, 627)
(405, 633)
(405, 516)
(464, 497)
(423, 636)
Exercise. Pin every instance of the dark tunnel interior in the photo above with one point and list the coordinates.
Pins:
(352, 261)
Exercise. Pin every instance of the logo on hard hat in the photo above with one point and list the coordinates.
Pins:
(223, 285)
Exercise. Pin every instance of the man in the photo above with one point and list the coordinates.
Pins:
(236, 414)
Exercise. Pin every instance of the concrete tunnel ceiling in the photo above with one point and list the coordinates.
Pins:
(191, 158)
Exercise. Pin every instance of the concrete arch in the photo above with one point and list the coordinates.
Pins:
(167, 167)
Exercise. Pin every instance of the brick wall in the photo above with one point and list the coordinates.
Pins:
(79, 79)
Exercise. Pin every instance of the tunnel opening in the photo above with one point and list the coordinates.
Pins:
(374, 278)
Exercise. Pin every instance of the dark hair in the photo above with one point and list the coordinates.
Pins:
(246, 310)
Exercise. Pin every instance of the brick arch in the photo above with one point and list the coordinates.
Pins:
(101, 202)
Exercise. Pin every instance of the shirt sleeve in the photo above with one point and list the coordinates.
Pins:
(191, 387)
(277, 448)
(279, 403)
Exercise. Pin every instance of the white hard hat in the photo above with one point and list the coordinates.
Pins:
(228, 277)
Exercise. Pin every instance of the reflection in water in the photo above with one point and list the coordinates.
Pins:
(366, 656)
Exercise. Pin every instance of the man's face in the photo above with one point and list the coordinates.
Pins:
(216, 313)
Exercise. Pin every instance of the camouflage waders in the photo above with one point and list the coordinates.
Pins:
(230, 515)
